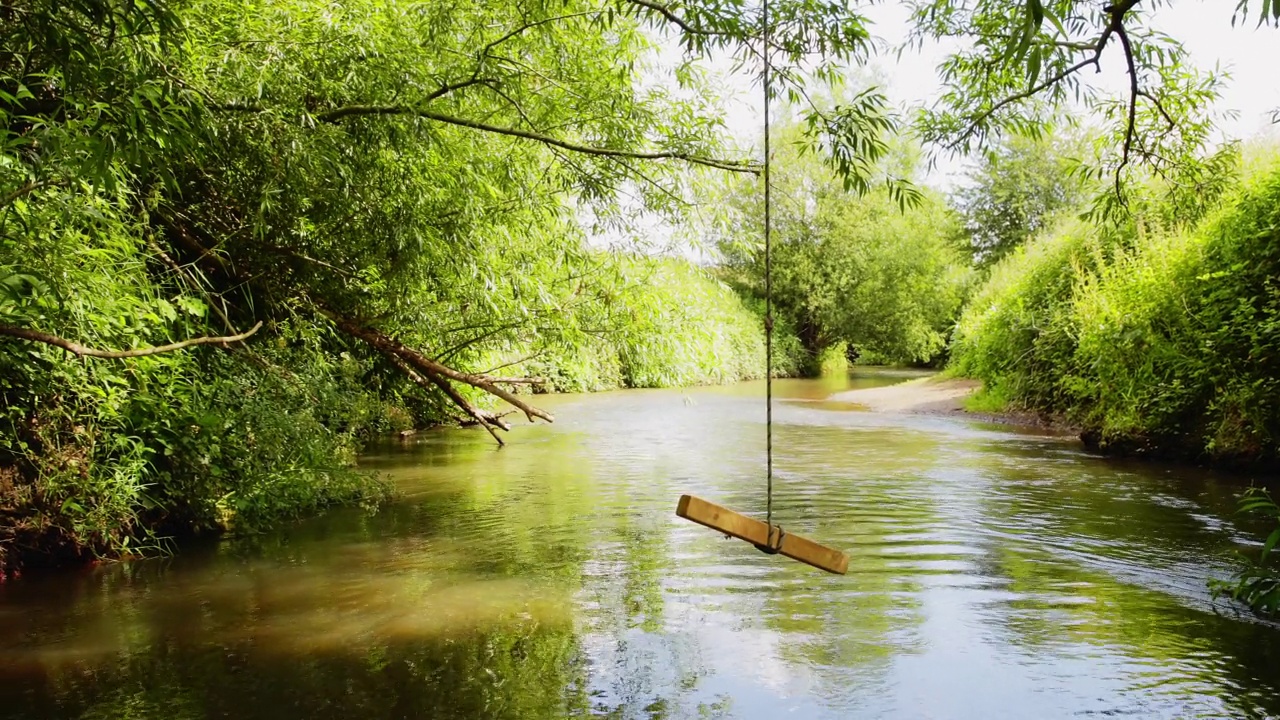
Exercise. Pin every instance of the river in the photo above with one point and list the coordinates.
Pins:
(994, 573)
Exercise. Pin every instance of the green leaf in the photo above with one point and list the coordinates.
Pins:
(1036, 11)
(1269, 545)
(1033, 68)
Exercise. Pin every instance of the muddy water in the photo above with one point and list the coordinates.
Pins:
(994, 574)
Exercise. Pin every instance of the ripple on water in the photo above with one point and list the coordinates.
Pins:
(993, 574)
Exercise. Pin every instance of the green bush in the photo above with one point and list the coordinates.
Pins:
(1016, 332)
(1150, 336)
(673, 324)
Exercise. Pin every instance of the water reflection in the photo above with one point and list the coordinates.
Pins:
(994, 574)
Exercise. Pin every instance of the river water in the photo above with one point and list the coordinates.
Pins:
(994, 574)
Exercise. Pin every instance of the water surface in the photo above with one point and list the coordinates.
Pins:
(994, 573)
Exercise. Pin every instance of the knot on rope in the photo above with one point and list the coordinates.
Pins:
(775, 541)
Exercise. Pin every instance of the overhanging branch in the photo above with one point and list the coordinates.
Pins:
(79, 350)
(338, 114)
(1115, 26)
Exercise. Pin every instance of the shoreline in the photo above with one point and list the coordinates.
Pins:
(943, 396)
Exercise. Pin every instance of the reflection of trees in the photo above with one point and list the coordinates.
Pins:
(1104, 555)
(867, 491)
(516, 671)
(550, 579)
(419, 611)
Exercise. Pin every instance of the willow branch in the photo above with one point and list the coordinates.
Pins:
(1133, 104)
(448, 88)
(27, 189)
(982, 117)
(83, 351)
(1114, 27)
(670, 16)
(1160, 107)
(529, 26)
(362, 110)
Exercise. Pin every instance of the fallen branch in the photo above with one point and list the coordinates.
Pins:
(485, 419)
(83, 351)
(390, 346)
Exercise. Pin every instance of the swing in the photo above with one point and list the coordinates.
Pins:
(767, 537)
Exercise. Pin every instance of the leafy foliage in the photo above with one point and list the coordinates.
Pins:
(1019, 63)
(1016, 190)
(379, 184)
(1153, 337)
(1258, 585)
(861, 270)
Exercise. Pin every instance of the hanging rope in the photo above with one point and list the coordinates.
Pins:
(768, 295)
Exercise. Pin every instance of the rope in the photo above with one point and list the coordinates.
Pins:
(768, 290)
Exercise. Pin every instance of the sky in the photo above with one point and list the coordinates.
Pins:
(1250, 54)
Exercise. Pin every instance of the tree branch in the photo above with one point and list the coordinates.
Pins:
(27, 189)
(1133, 103)
(529, 26)
(428, 380)
(1159, 106)
(670, 16)
(977, 121)
(385, 345)
(1117, 12)
(359, 110)
(83, 351)
(450, 87)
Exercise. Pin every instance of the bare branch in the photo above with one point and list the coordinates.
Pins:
(83, 351)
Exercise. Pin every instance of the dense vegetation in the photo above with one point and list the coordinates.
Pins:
(1152, 336)
(859, 271)
(237, 239)
(1156, 334)
(341, 218)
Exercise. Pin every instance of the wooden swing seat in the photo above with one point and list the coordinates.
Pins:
(768, 538)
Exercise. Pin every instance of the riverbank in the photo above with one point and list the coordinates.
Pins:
(941, 395)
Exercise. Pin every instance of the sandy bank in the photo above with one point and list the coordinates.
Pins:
(937, 396)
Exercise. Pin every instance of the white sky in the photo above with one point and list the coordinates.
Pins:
(1250, 54)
